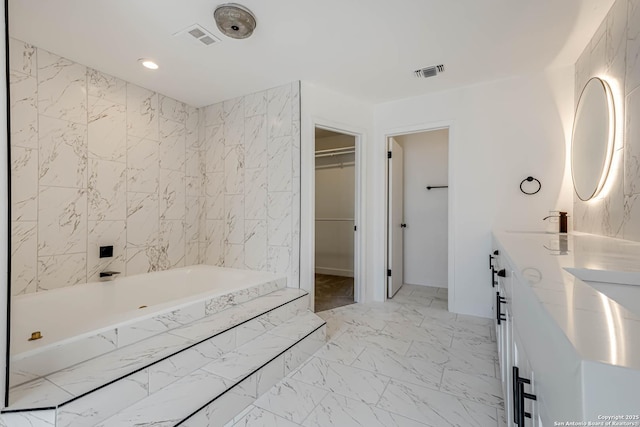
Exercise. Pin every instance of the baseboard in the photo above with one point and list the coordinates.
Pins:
(430, 286)
(334, 271)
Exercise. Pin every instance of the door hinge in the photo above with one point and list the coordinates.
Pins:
(388, 154)
(388, 273)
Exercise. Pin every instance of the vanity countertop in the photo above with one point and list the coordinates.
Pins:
(599, 328)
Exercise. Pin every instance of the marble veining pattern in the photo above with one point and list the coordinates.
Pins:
(61, 88)
(614, 52)
(354, 381)
(99, 161)
(344, 385)
(151, 161)
(254, 188)
(150, 340)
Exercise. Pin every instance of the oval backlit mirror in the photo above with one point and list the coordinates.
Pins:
(593, 137)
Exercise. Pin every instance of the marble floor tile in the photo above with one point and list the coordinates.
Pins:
(342, 352)
(100, 370)
(435, 408)
(439, 304)
(386, 340)
(472, 331)
(461, 360)
(437, 337)
(372, 338)
(424, 291)
(475, 320)
(410, 369)
(298, 327)
(351, 382)
(291, 399)
(340, 411)
(234, 365)
(260, 418)
(474, 344)
(424, 300)
(478, 388)
(29, 419)
(38, 393)
(402, 314)
(225, 410)
(170, 405)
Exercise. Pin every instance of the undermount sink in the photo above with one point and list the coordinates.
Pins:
(630, 278)
(621, 286)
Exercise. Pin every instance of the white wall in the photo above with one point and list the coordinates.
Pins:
(326, 108)
(425, 211)
(500, 132)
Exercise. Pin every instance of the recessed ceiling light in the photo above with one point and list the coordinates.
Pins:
(147, 63)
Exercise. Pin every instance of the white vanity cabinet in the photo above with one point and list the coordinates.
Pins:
(511, 352)
(567, 352)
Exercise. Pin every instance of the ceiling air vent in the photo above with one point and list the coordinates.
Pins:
(432, 71)
(197, 34)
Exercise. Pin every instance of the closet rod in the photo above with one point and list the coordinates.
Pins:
(335, 165)
(335, 152)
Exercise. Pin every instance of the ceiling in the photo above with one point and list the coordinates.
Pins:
(364, 49)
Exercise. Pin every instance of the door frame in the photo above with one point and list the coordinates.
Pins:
(420, 128)
(308, 205)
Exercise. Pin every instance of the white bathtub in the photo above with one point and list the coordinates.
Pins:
(83, 321)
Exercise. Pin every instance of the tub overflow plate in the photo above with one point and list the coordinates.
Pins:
(35, 336)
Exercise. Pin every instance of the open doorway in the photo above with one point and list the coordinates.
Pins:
(417, 214)
(335, 208)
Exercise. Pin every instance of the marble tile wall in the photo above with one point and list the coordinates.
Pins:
(252, 182)
(99, 161)
(614, 53)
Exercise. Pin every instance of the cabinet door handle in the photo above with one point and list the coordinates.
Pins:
(515, 393)
(499, 315)
(502, 273)
(519, 413)
(490, 261)
(494, 282)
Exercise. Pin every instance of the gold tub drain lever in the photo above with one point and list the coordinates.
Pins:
(35, 336)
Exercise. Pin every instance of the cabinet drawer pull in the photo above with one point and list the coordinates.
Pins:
(499, 315)
(502, 273)
(519, 413)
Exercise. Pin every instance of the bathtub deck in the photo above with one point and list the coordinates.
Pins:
(47, 357)
(68, 384)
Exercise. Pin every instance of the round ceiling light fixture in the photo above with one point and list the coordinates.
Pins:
(234, 20)
(148, 63)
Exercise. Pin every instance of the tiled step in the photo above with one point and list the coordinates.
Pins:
(46, 359)
(218, 391)
(93, 390)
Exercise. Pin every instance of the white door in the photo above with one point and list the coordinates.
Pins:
(395, 217)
